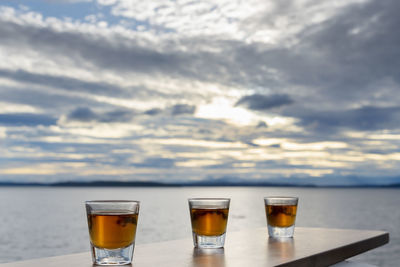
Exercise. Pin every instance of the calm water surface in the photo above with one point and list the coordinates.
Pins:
(41, 222)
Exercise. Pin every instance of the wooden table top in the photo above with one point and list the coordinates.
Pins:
(309, 247)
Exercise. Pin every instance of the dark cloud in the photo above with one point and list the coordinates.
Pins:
(264, 102)
(27, 119)
(118, 115)
(85, 114)
(117, 52)
(156, 162)
(82, 114)
(262, 124)
(56, 102)
(125, 55)
(367, 118)
(351, 56)
(153, 111)
(55, 83)
(175, 110)
(181, 109)
(62, 82)
(276, 145)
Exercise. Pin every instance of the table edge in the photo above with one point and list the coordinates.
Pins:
(341, 253)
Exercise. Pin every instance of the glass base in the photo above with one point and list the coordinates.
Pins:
(281, 232)
(202, 241)
(119, 256)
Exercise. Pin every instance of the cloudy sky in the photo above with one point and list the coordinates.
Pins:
(192, 90)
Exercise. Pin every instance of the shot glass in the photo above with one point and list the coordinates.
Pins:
(209, 217)
(281, 216)
(112, 230)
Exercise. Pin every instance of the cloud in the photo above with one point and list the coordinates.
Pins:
(349, 57)
(3, 133)
(89, 56)
(120, 53)
(202, 17)
(264, 102)
(262, 124)
(55, 102)
(69, 1)
(62, 82)
(156, 162)
(368, 118)
(106, 2)
(295, 73)
(82, 114)
(174, 110)
(85, 114)
(181, 109)
(192, 59)
(153, 111)
(26, 119)
(132, 53)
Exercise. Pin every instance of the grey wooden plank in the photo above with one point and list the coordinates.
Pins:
(309, 247)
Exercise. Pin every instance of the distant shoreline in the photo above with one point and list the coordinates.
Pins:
(188, 184)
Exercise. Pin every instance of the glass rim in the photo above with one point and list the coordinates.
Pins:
(208, 199)
(281, 197)
(111, 201)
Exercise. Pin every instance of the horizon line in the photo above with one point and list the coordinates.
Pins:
(189, 184)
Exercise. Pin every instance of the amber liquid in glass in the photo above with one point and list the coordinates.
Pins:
(281, 215)
(112, 230)
(209, 222)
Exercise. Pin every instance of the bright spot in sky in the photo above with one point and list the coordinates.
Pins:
(223, 108)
